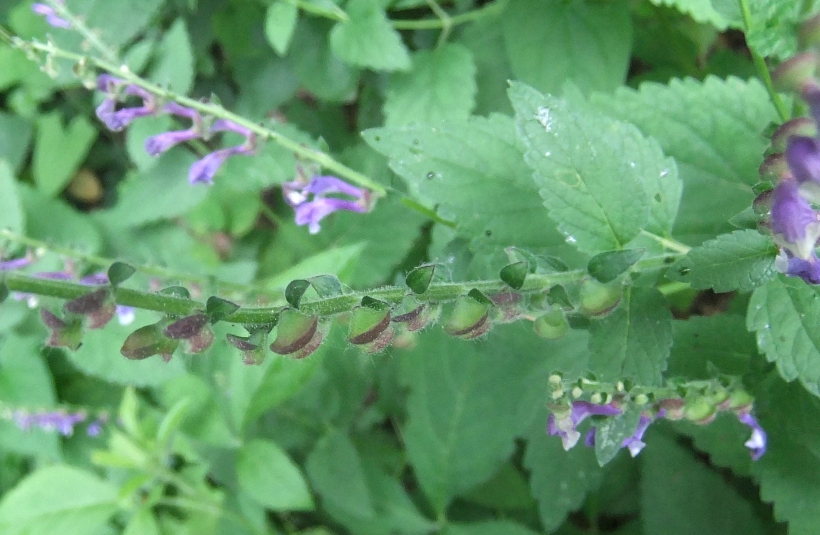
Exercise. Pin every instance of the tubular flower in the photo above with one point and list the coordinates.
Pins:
(156, 145)
(60, 421)
(203, 171)
(107, 111)
(757, 442)
(50, 15)
(796, 226)
(566, 425)
(312, 204)
(15, 263)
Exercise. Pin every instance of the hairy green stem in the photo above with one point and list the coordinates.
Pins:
(328, 306)
(761, 67)
(451, 20)
(209, 108)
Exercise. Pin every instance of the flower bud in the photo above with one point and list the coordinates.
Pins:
(552, 325)
(809, 33)
(740, 401)
(598, 299)
(795, 72)
(801, 126)
(673, 407)
(297, 335)
(469, 318)
(774, 166)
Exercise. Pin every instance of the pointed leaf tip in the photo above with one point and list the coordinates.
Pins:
(419, 279)
(119, 272)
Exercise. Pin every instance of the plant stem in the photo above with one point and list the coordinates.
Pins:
(670, 244)
(329, 306)
(451, 21)
(215, 110)
(761, 67)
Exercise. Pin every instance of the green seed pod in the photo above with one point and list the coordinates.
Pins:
(469, 318)
(598, 300)
(740, 400)
(295, 332)
(147, 341)
(699, 410)
(367, 324)
(552, 325)
(418, 318)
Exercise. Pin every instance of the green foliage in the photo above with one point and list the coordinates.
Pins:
(268, 476)
(58, 151)
(368, 40)
(742, 260)
(11, 209)
(783, 313)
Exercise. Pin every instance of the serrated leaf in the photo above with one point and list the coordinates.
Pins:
(280, 21)
(321, 72)
(600, 179)
(271, 478)
(475, 171)
(551, 42)
(608, 266)
(368, 39)
(713, 130)
(742, 260)
(700, 11)
(58, 499)
(559, 480)
(610, 434)
(784, 315)
(335, 470)
(792, 422)
(440, 86)
(634, 341)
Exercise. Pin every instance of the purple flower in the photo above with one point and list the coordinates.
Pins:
(15, 263)
(125, 314)
(51, 15)
(203, 171)
(156, 145)
(107, 112)
(311, 212)
(795, 225)
(224, 125)
(635, 442)
(803, 157)
(177, 109)
(757, 442)
(808, 270)
(566, 425)
(61, 421)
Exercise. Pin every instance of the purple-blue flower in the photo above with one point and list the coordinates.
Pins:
(107, 111)
(808, 270)
(203, 171)
(566, 426)
(795, 225)
(757, 442)
(15, 263)
(635, 442)
(61, 421)
(156, 145)
(803, 157)
(50, 14)
(310, 212)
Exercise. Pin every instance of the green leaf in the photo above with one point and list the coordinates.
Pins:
(599, 178)
(368, 39)
(99, 355)
(321, 72)
(475, 171)
(174, 66)
(15, 136)
(470, 395)
(514, 274)
(634, 341)
(161, 192)
(270, 477)
(700, 10)
(219, 309)
(704, 501)
(713, 130)
(11, 209)
(117, 22)
(64, 224)
(721, 340)
(792, 422)
(142, 523)
(295, 290)
(280, 22)
(58, 499)
(784, 314)
(608, 266)
(549, 43)
(492, 527)
(742, 260)
(508, 490)
(439, 87)
(120, 272)
(59, 151)
(559, 480)
(419, 278)
(610, 435)
(335, 470)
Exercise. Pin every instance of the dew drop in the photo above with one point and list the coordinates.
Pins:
(664, 173)
(684, 271)
(488, 233)
(548, 154)
(631, 164)
(415, 142)
(571, 239)
(431, 175)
